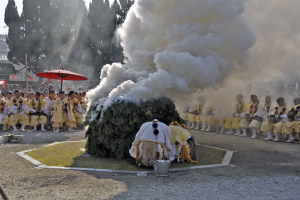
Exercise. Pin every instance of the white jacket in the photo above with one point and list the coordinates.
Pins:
(146, 134)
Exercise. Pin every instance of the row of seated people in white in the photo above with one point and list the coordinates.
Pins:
(155, 140)
(36, 111)
(257, 117)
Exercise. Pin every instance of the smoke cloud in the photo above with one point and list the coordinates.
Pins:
(274, 58)
(176, 48)
(277, 32)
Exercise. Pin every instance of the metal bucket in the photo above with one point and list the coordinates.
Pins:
(161, 167)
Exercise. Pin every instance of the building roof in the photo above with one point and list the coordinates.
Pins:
(7, 68)
(3, 48)
(3, 56)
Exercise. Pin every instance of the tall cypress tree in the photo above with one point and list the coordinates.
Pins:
(100, 18)
(103, 43)
(120, 10)
(48, 19)
(14, 37)
(125, 6)
(66, 31)
(33, 35)
(52, 38)
(45, 32)
(80, 54)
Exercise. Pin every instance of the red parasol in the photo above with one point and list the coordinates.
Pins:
(61, 75)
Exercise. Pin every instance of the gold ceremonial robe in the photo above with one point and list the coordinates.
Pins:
(3, 110)
(269, 126)
(37, 107)
(62, 113)
(18, 111)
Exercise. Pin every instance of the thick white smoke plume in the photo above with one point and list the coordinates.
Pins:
(277, 29)
(175, 48)
(274, 60)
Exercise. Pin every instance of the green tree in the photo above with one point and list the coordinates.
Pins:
(122, 12)
(33, 35)
(59, 23)
(103, 43)
(80, 53)
(14, 37)
(48, 29)
(100, 19)
(60, 33)
(65, 33)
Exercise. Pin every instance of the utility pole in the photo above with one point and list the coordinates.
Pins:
(26, 72)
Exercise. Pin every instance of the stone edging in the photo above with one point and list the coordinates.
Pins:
(39, 165)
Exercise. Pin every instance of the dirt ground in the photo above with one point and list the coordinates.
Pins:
(260, 170)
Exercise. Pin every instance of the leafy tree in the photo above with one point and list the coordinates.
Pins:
(80, 54)
(100, 19)
(59, 33)
(48, 31)
(104, 44)
(13, 39)
(33, 34)
(122, 12)
(67, 28)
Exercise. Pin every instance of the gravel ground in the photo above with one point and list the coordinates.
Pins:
(260, 170)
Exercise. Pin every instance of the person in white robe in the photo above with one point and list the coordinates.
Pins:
(50, 100)
(154, 135)
(254, 117)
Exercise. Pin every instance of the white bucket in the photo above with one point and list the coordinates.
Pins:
(161, 167)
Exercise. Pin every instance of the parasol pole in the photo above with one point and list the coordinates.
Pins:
(61, 80)
(26, 72)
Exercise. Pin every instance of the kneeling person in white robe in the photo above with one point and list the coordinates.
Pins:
(153, 138)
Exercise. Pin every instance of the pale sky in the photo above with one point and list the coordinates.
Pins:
(19, 4)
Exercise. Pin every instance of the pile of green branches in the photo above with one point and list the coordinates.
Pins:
(112, 132)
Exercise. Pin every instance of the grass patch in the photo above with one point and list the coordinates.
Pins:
(61, 154)
(70, 155)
